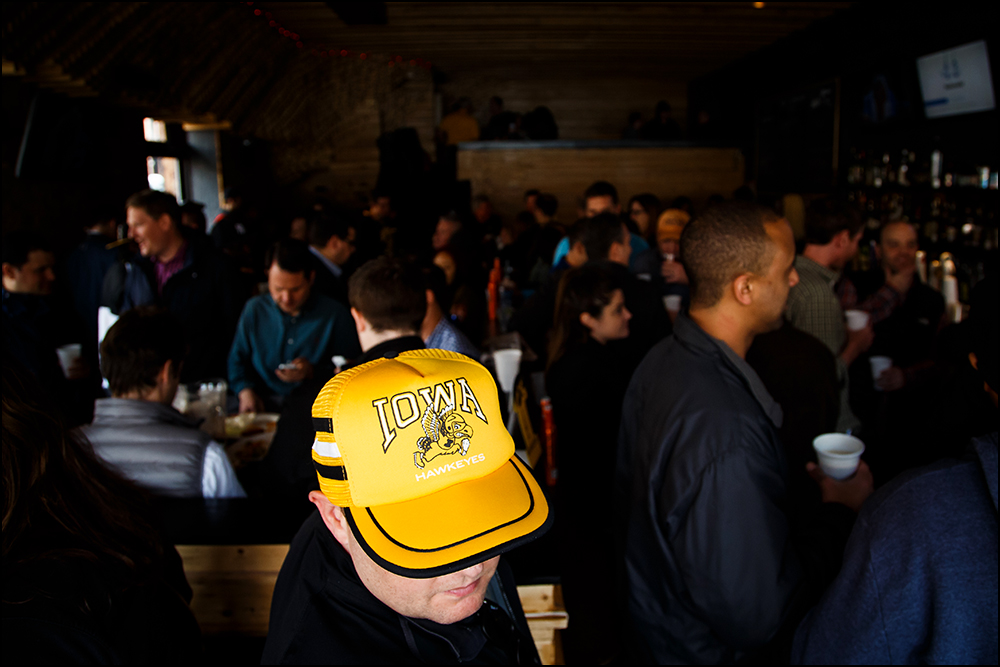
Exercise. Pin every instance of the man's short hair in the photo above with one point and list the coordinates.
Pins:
(17, 245)
(480, 199)
(726, 241)
(601, 189)
(886, 225)
(437, 283)
(291, 255)
(533, 192)
(547, 204)
(389, 294)
(827, 217)
(155, 203)
(137, 346)
(597, 234)
(322, 227)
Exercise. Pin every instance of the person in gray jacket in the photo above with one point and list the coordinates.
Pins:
(137, 431)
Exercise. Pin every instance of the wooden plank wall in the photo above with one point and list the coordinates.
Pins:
(584, 107)
(504, 175)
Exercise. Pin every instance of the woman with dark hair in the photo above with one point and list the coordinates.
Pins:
(643, 212)
(86, 579)
(589, 371)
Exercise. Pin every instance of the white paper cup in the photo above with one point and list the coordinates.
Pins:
(879, 365)
(507, 364)
(69, 355)
(838, 454)
(672, 303)
(856, 320)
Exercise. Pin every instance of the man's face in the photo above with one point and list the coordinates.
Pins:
(289, 290)
(152, 236)
(33, 277)
(483, 212)
(622, 250)
(344, 249)
(669, 246)
(602, 204)
(447, 599)
(442, 233)
(380, 208)
(898, 248)
(850, 249)
(772, 288)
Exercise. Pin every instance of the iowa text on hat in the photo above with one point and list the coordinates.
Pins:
(405, 407)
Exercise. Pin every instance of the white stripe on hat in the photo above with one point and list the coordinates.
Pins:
(328, 449)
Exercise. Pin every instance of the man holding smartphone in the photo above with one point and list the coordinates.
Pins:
(283, 335)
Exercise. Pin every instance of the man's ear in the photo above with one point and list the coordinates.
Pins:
(10, 271)
(743, 289)
(360, 323)
(165, 222)
(333, 517)
(430, 297)
(167, 373)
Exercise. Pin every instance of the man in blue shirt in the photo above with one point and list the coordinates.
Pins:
(282, 336)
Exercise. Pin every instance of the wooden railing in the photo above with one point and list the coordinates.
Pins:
(233, 585)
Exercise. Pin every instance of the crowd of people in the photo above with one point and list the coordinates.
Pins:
(692, 354)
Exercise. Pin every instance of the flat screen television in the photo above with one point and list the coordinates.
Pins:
(956, 80)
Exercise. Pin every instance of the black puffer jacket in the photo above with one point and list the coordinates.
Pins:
(714, 570)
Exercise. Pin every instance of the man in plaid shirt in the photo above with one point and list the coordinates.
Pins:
(833, 230)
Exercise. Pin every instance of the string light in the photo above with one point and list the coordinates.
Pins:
(322, 51)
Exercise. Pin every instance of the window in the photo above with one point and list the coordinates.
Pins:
(163, 173)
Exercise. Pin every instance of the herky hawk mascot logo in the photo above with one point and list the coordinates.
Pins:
(446, 432)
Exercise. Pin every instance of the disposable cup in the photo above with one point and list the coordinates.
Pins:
(507, 364)
(69, 355)
(672, 303)
(838, 454)
(856, 320)
(879, 364)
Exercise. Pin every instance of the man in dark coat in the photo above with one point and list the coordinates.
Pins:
(187, 277)
(714, 569)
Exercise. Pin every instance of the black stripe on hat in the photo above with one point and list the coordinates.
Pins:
(338, 473)
(324, 424)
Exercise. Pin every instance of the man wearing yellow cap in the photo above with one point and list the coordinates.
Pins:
(420, 494)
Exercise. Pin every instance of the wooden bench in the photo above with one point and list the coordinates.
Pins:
(233, 585)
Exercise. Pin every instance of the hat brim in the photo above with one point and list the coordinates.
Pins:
(455, 528)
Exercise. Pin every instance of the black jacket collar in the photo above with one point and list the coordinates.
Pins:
(694, 337)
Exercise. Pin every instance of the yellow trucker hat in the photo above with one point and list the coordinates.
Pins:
(414, 448)
(671, 224)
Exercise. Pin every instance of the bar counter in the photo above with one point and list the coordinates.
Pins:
(503, 170)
